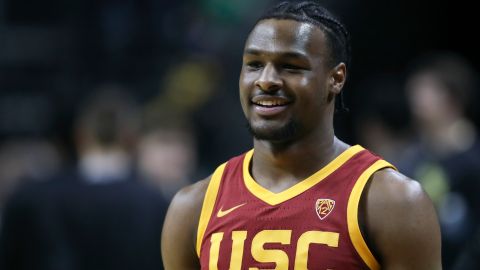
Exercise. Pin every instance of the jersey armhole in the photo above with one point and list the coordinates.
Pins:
(356, 237)
(208, 204)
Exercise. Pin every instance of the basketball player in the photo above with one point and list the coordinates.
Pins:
(302, 198)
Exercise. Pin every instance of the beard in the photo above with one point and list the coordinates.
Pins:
(282, 134)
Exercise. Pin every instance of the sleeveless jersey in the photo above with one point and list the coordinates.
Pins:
(311, 225)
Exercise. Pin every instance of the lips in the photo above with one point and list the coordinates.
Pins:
(269, 105)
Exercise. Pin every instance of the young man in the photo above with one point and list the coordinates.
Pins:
(301, 199)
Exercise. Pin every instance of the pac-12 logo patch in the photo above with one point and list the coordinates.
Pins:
(324, 207)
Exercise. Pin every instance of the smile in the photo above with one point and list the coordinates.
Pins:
(269, 106)
(270, 101)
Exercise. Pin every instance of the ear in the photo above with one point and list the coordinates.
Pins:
(338, 75)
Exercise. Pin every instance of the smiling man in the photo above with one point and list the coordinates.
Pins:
(302, 198)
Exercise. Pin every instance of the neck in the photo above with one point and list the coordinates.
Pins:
(278, 167)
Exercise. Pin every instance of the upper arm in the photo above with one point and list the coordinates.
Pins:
(179, 229)
(402, 222)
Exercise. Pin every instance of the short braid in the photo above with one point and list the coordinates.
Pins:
(313, 13)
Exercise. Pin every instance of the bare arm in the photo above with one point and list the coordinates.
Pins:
(402, 223)
(180, 228)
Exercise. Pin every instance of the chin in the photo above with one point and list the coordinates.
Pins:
(283, 133)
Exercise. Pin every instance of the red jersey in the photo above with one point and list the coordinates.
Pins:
(311, 225)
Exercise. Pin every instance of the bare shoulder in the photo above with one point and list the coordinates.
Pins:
(190, 198)
(402, 222)
(390, 187)
(179, 229)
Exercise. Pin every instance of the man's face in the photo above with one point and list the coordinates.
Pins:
(428, 98)
(284, 88)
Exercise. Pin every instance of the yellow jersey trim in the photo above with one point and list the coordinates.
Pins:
(208, 204)
(352, 214)
(272, 198)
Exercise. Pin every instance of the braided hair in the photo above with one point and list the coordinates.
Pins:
(338, 38)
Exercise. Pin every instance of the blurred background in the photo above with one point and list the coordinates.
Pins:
(145, 93)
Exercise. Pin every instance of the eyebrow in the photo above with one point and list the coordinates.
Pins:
(288, 54)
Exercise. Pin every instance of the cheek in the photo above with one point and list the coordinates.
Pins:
(309, 81)
(313, 91)
(247, 78)
(304, 82)
(244, 86)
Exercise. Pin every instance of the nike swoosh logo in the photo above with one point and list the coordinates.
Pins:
(222, 213)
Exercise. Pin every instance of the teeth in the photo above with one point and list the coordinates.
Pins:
(271, 103)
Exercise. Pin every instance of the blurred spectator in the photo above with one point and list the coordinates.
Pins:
(105, 136)
(445, 156)
(195, 92)
(97, 216)
(25, 159)
(167, 151)
(382, 116)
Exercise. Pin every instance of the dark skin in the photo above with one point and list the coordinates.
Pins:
(287, 77)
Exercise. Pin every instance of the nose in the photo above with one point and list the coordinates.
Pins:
(269, 79)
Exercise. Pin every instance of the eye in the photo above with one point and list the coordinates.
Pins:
(292, 68)
(254, 65)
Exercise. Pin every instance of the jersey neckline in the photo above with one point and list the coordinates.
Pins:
(272, 198)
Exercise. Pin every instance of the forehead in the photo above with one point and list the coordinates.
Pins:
(283, 35)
